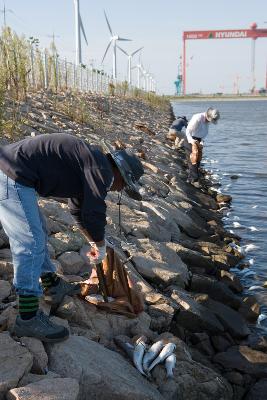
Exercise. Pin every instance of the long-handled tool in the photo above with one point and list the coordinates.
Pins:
(101, 280)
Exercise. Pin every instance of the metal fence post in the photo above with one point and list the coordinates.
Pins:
(32, 67)
(87, 79)
(81, 78)
(101, 82)
(92, 79)
(66, 73)
(45, 70)
(74, 76)
(56, 72)
(97, 81)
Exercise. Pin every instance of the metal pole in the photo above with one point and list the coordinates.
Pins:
(114, 71)
(96, 81)
(56, 72)
(78, 33)
(32, 67)
(45, 70)
(130, 70)
(101, 82)
(253, 42)
(66, 73)
(184, 67)
(81, 78)
(87, 79)
(74, 76)
(92, 79)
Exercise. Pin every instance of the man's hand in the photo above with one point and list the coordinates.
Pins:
(97, 252)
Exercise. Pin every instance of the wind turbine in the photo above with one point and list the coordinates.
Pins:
(130, 57)
(78, 28)
(140, 70)
(113, 40)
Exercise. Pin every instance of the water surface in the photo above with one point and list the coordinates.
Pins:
(237, 145)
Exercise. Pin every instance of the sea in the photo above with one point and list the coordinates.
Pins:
(237, 148)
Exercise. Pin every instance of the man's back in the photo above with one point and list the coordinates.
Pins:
(55, 164)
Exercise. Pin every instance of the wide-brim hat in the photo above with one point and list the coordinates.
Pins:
(131, 170)
(212, 115)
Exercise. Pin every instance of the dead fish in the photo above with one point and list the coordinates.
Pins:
(152, 353)
(170, 364)
(125, 346)
(165, 352)
(139, 351)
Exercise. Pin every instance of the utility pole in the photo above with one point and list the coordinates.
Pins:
(4, 11)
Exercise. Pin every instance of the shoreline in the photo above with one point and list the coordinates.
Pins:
(176, 252)
(209, 98)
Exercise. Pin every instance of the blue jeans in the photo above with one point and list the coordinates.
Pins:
(25, 226)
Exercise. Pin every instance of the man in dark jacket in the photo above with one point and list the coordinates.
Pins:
(58, 165)
(175, 131)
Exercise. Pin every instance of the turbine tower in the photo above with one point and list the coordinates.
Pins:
(113, 40)
(78, 28)
(130, 57)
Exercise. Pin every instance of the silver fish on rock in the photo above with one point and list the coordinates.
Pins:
(170, 364)
(139, 351)
(165, 352)
(152, 353)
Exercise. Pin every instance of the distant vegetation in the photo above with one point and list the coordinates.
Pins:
(23, 70)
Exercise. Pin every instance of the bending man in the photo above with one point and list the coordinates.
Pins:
(197, 129)
(59, 165)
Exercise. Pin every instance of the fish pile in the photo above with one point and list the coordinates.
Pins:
(145, 358)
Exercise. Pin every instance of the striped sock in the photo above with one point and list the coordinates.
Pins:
(28, 306)
(49, 279)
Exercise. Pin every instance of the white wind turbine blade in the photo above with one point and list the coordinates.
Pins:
(123, 51)
(124, 40)
(108, 24)
(106, 51)
(83, 31)
(136, 51)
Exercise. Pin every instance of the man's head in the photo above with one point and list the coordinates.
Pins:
(127, 169)
(212, 115)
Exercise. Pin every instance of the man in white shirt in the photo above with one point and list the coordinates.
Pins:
(197, 129)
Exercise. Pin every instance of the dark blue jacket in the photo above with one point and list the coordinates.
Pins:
(63, 165)
(178, 124)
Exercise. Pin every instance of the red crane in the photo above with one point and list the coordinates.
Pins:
(253, 33)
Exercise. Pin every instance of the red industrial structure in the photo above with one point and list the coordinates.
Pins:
(253, 33)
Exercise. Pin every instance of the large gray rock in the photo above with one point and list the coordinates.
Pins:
(71, 262)
(136, 223)
(47, 389)
(66, 241)
(194, 316)
(162, 315)
(101, 373)
(179, 215)
(192, 381)
(232, 321)
(36, 348)
(6, 269)
(245, 360)
(216, 290)
(194, 258)
(159, 263)
(5, 289)
(103, 325)
(56, 211)
(15, 361)
(258, 391)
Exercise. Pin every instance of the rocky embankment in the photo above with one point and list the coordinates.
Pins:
(176, 251)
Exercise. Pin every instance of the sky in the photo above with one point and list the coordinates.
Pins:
(212, 66)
